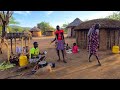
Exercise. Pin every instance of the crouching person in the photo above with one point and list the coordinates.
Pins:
(35, 54)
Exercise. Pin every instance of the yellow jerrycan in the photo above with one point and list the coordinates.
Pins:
(115, 49)
(23, 60)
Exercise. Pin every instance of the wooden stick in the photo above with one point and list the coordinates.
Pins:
(15, 44)
(25, 41)
(11, 46)
(29, 42)
(22, 45)
(8, 52)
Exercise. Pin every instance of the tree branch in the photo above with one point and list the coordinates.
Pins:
(7, 17)
(4, 15)
(10, 14)
(1, 17)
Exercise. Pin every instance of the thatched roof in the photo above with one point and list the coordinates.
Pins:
(27, 33)
(104, 23)
(35, 29)
(75, 23)
(49, 31)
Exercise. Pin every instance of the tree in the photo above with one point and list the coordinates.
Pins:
(44, 26)
(64, 27)
(5, 17)
(115, 16)
(8, 27)
(0, 29)
(13, 21)
(16, 29)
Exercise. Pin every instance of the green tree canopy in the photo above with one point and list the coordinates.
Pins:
(10, 28)
(44, 26)
(64, 27)
(17, 29)
(13, 21)
(115, 16)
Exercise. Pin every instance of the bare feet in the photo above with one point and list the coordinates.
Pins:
(58, 60)
(99, 64)
(64, 61)
(90, 61)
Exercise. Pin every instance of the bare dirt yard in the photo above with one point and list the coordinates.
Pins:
(77, 66)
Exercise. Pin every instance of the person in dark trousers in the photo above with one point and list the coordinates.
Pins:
(60, 41)
(93, 43)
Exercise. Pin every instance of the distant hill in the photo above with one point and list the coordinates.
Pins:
(15, 26)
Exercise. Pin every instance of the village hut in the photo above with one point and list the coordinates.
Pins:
(109, 33)
(36, 32)
(27, 34)
(71, 26)
(49, 33)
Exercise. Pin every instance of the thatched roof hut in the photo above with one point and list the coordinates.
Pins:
(109, 33)
(71, 27)
(104, 24)
(75, 23)
(27, 33)
(36, 32)
(49, 33)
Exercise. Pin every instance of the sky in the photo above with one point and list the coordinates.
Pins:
(32, 18)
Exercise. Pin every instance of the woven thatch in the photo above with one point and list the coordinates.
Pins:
(27, 33)
(104, 23)
(75, 23)
(49, 31)
(35, 29)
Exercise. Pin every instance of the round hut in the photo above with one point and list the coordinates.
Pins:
(36, 32)
(49, 33)
(27, 34)
(71, 26)
(109, 33)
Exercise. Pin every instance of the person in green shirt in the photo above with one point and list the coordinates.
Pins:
(35, 54)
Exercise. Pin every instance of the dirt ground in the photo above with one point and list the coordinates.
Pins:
(77, 66)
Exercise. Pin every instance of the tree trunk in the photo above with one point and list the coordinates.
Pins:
(3, 32)
(3, 36)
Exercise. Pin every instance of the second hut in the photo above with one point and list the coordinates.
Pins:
(36, 32)
(71, 26)
(49, 33)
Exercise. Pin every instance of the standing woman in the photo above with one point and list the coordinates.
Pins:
(93, 43)
(60, 41)
(89, 36)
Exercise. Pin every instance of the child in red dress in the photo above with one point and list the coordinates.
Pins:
(74, 48)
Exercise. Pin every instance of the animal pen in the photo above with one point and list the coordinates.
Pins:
(109, 33)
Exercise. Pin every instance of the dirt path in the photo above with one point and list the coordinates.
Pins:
(77, 67)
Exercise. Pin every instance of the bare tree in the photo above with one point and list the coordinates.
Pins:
(4, 18)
